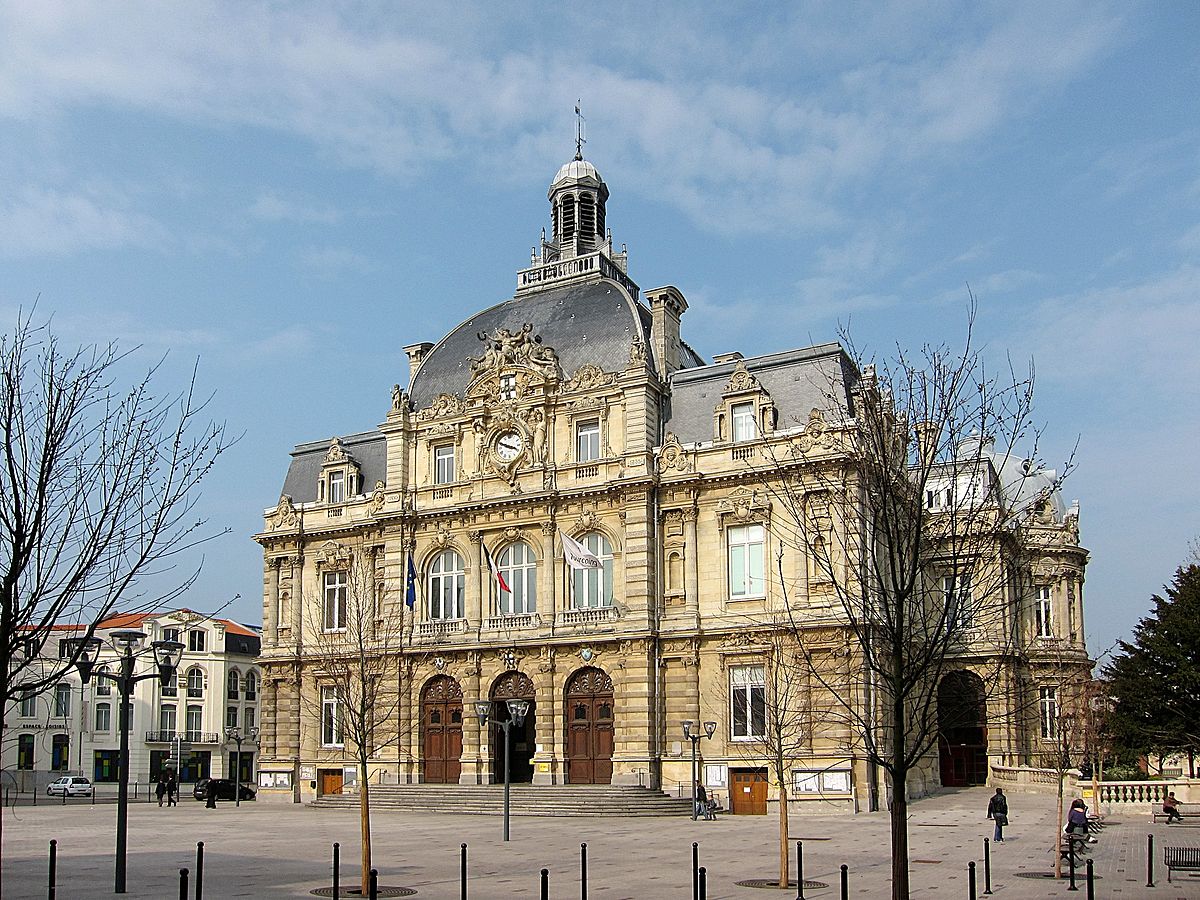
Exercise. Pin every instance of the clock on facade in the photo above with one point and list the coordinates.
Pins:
(509, 445)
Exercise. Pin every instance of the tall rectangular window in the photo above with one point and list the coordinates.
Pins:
(960, 607)
(1043, 612)
(62, 701)
(231, 717)
(28, 705)
(25, 751)
(745, 547)
(587, 440)
(196, 640)
(331, 718)
(336, 589)
(443, 464)
(337, 487)
(248, 718)
(748, 709)
(194, 722)
(103, 717)
(60, 752)
(166, 718)
(1048, 705)
(744, 426)
(170, 634)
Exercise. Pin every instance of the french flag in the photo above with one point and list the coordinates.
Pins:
(495, 570)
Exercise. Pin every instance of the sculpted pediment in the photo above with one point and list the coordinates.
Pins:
(523, 349)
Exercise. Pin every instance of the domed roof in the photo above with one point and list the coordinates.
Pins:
(594, 322)
(576, 170)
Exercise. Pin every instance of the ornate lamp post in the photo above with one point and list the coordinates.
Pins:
(233, 733)
(693, 734)
(166, 659)
(517, 710)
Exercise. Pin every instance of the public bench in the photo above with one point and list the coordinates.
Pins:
(1072, 847)
(1185, 859)
(1186, 811)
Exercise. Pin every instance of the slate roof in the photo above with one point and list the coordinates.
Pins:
(797, 380)
(368, 449)
(595, 322)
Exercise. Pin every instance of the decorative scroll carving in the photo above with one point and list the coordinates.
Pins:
(816, 435)
(505, 348)
(637, 354)
(741, 380)
(672, 456)
(285, 514)
(586, 521)
(745, 505)
(512, 685)
(443, 405)
(441, 689)
(589, 376)
(588, 682)
(442, 539)
(378, 499)
(334, 556)
(337, 453)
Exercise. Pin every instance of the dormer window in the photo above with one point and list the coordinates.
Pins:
(508, 387)
(337, 487)
(443, 464)
(746, 411)
(744, 427)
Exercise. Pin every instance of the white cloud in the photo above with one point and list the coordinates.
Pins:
(330, 261)
(43, 221)
(271, 207)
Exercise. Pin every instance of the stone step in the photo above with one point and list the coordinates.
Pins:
(526, 800)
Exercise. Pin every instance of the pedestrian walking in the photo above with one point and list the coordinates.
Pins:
(210, 795)
(160, 789)
(701, 801)
(998, 813)
(172, 788)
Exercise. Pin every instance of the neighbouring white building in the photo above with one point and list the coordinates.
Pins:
(73, 729)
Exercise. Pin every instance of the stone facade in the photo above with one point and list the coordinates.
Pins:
(575, 409)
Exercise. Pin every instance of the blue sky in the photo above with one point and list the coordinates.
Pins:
(292, 192)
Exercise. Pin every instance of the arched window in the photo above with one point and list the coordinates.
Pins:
(103, 685)
(251, 686)
(233, 685)
(594, 587)
(587, 215)
(446, 584)
(103, 717)
(195, 682)
(568, 215)
(518, 568)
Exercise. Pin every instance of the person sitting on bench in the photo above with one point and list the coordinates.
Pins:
(1171, 808)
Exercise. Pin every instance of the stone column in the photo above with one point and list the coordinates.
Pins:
(633, 697)
(547, 764)
(547, 599)
(691, 571)
(271, 601)
(475, 599)
(475, 769)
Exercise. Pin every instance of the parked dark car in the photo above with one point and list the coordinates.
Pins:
(224, 788)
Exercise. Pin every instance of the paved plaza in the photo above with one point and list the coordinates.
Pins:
(263, 850)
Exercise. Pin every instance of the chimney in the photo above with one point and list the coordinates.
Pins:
(666, 306)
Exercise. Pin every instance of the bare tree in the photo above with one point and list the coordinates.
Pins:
(901, 515)
(98, 489)
(354, 644)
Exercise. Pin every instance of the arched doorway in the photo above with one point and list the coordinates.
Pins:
(589, 726)
(511, 686)
(441, 725)
(962, 730)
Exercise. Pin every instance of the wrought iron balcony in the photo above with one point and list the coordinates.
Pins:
(187, 737)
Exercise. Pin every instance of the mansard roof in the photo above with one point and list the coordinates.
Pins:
(368, 450)
(820, 377)
(594, 322)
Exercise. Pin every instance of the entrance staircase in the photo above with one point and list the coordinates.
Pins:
(590, 800)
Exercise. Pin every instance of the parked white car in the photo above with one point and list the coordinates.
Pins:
(71, 785)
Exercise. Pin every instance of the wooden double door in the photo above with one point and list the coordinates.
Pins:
(441, 726)
(748, 792)
(589, 726)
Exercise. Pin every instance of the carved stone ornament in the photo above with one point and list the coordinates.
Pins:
(522, 348)
(637, 354)
(816, 435)
(333, 556)
(590, 376)
(378, 499)
(587, 520)
(337, 453)
(587, 654)
(399, 398)
(511, 685)
(443, 405)
(285, 514)
(672, 456)
(741, 380)
(739, 640)
(439, 663)
(745, 505)
(442, 539)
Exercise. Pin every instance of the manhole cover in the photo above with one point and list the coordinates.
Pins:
(769, 883)
(355, 892)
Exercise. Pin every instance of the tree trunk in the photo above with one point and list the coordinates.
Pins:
(364, 809)
(899, 823)
(1058, 828)
(784, 856)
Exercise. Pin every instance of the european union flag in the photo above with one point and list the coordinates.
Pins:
(410, 591)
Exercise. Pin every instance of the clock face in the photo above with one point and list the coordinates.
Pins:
(508, 445)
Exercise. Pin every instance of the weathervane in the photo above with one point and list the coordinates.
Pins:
(580, 140)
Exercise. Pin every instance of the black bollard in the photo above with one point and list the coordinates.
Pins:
(1071, 859)
(1090, 885)
(987, 866)
(799, 870)
(1150, 860)
(545, 894)
(971, 880)
(373, 884)
(703, 873)
(695, 871)
(337, 873)
(53, 869)
(199, 870)
(845, 882)
(462, 871)
(183, 887)
(583, 871)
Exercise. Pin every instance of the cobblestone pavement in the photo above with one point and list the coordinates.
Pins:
(264, 850)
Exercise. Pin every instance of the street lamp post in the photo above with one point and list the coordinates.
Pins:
(233, 733)
(517, 710)
(693, 734)
(166, 658)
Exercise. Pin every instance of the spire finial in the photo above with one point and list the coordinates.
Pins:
(580, 140)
